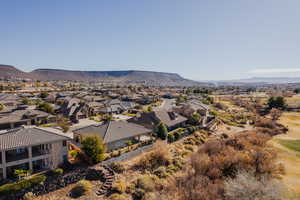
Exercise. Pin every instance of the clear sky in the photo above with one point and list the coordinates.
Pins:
(199, 39)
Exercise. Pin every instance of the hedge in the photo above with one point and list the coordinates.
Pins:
(23, 184)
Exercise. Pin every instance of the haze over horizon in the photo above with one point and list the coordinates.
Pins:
(200, 40)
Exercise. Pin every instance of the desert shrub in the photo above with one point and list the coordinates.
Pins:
(150, 196)
(189, 147)
(83, 187)
(190, 141)
(117, 167)
(247, 187)
(218, 160)
(172, 169)
(147, 182)
(178, 162)
(118, 197)
(119, 186)
(160, 156)
(161, 172)
(265, 123)
(29, 196)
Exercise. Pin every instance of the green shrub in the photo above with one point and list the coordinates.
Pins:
(178, 135)
(74, 154)
(171, 137)
(83, 187)
(20, 185)
(57, 172)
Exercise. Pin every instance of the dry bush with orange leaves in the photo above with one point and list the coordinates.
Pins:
(159, 156)
(219, 160)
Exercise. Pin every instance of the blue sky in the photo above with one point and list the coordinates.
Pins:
(200, 40)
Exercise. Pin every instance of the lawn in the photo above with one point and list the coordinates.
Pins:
(291, 144)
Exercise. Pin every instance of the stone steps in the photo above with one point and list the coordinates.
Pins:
(109, 176)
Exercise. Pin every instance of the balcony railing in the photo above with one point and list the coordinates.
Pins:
(39, 152)
(11, 157)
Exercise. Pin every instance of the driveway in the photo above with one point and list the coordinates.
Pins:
(167, 104)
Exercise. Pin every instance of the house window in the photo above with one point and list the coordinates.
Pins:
(64, 143)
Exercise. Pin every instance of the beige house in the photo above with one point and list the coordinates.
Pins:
(115, 134)
(34, 149)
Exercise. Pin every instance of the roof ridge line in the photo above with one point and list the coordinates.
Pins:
(106, 130)
(48, 131)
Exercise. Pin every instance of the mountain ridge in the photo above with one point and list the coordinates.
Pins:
(117, 76)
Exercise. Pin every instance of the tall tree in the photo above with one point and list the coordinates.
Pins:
(277, 102)
(94, 148)
(162, 131)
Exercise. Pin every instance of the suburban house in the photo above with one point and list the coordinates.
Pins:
(115, 134)
(115, 106)
(73, 109)
(94, 108)
(34, 149)
(191, 106)
(150, 120)
(18, 118)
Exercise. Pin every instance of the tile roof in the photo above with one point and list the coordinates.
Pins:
(20, 115)
(113, 130)
(21, 137)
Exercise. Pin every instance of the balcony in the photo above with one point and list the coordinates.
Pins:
(16, 154)
(40, 150)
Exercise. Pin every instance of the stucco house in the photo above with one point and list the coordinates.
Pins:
(115, 134)
(31, 148)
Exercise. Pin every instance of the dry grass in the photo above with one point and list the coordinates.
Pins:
(289, 158)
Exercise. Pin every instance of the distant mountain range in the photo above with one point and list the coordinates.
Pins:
(118, 77)
(260, 80)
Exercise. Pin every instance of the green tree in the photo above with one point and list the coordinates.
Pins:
(94, 148)
(46, 107)
(162, 131)
(1, 107)
(276, 102)
(297, 90)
